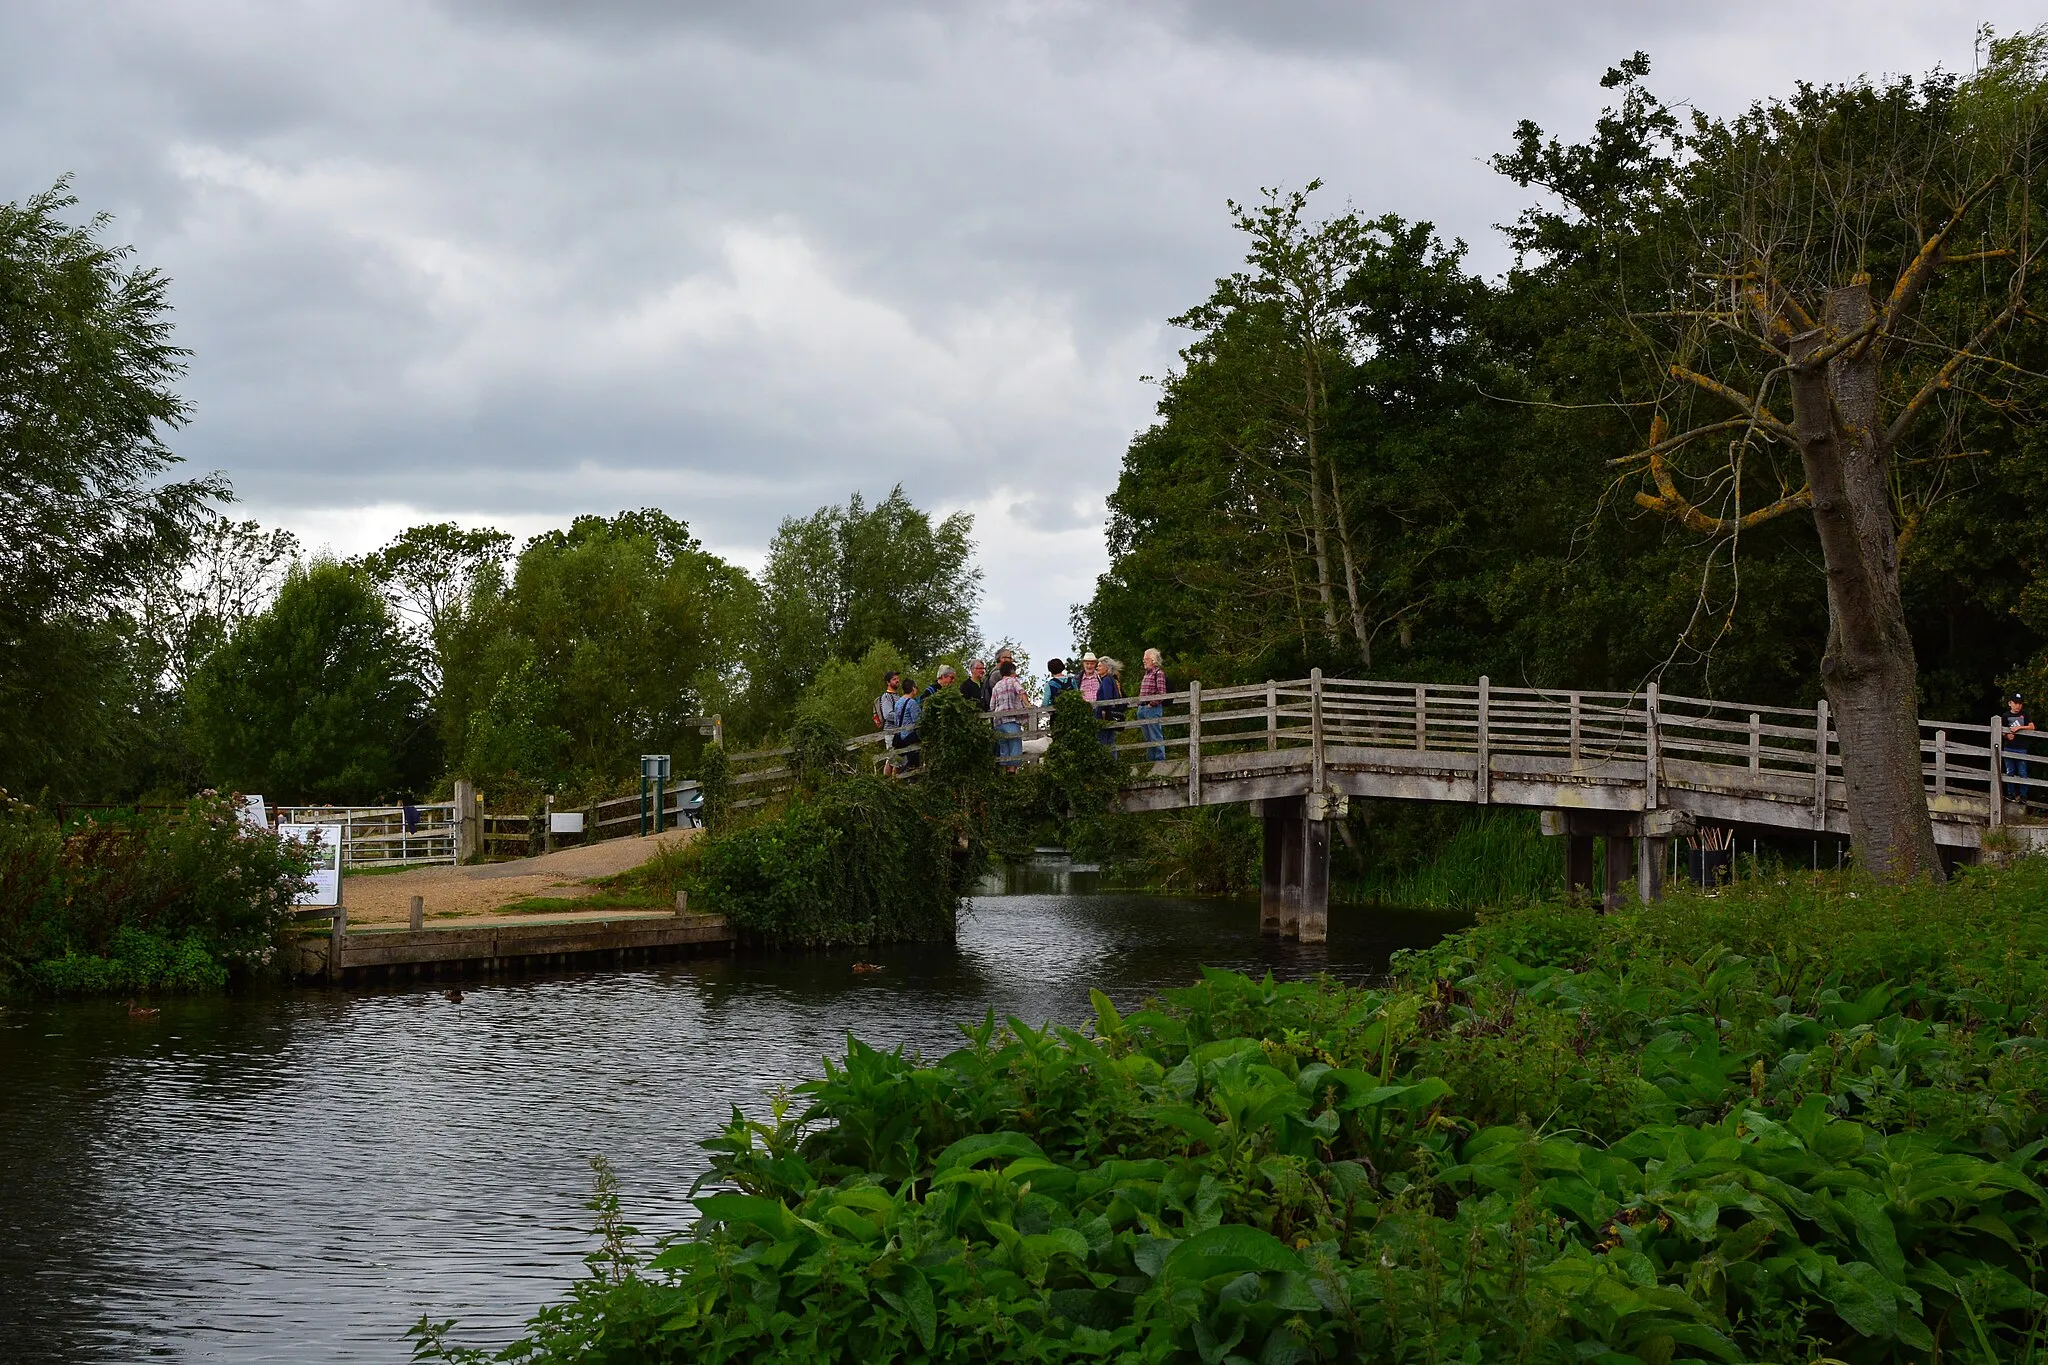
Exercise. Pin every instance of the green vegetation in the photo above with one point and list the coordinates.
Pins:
(177, 900)
(859, 858)
(87, 375)
(312, 695)
(1802, 1120)
(1392, 853)
(1373, 460)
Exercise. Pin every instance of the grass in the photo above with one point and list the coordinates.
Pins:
(598, 899)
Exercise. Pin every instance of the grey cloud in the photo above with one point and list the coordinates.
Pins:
(532, 259)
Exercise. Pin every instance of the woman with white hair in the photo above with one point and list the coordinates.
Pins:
(1109, 687)
(1153, 684)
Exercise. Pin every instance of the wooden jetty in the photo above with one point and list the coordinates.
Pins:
(1634, 769)
(397, 952)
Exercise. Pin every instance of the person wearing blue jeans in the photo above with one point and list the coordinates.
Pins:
(2017, 729)
(1152, 685)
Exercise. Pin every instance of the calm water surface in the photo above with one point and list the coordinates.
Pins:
(299, 1176)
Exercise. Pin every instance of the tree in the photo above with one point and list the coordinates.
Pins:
(844, 579)
(87, 375)
(430, 573)
(230, 572)
(612, 637)
(1258, 377)
(315, 698)
(1784, 384)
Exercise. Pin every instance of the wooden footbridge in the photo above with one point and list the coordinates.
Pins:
(1635, 769)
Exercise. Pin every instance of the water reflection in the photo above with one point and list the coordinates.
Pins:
(300, 1176)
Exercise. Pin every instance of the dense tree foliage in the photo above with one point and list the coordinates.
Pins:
(1430, 474)
(314, 698)
(845, 579)
(87, 370)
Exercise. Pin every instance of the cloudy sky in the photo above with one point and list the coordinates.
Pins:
(505, 261)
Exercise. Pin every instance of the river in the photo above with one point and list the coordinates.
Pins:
(299, 1175)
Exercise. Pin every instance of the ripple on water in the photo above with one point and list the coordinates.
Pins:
(301, 1175)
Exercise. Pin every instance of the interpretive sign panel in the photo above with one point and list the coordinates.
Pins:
(253, 815)
(324, 841)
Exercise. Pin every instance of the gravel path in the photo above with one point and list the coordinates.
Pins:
(477, 891)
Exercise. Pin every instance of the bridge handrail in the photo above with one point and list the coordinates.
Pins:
(1472, 723)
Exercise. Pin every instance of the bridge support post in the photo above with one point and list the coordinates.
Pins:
(1652, 855)
(1294, 868)
(1621, 854)
(1578, 865)
(1313, 925)
(1280, 866)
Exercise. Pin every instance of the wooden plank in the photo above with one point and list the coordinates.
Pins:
(1481, 770)
(1315, 729)
(1651, 757)
(1820, 764)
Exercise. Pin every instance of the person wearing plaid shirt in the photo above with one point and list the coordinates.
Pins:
(1152, 685)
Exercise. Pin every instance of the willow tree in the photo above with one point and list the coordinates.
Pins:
(1845, 275)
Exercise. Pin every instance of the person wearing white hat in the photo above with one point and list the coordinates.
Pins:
(1091, 677)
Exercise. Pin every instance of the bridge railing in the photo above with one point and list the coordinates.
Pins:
(1789, 754)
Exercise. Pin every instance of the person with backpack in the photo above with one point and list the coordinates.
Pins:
(1057, 680)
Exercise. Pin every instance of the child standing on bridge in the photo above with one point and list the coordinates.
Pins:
(2018, 726)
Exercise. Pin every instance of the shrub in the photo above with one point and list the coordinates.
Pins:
(857, 862)
(173, 900)
(858, 859)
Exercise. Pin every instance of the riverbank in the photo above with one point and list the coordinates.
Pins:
(1802, 1117)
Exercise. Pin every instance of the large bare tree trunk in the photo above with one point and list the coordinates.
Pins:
(1869, 671)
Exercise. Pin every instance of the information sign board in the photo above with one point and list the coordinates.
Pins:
(324, 841)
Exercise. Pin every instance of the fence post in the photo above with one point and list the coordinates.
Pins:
(1575, 741)
(1421, 718)
(1997, 788)
(547, 829)
(337, 939)
(1272, 717)
(1941, 763)
(418, 917)
(1652, 748)
(1820, 765)
(1194, 743)
(1482, 768)
(1315, 730)
(466, 831)
(1756, 744)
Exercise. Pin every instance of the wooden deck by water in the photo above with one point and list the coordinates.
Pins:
(350, 956)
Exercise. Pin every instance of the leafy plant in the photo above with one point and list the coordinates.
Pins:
(1798, 1121)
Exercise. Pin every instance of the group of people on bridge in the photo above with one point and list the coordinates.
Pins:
(1003, 694)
